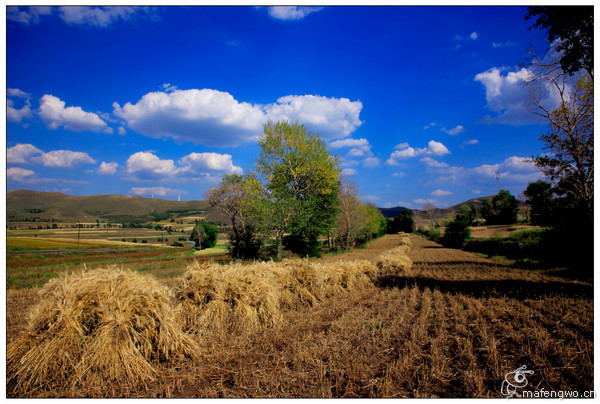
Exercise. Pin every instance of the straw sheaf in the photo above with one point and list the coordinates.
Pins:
(231, 298)
(394, 262)
(97, 327)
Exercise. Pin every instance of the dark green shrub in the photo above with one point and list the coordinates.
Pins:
(456, 233)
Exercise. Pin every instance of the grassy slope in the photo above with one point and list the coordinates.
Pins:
(62, 207)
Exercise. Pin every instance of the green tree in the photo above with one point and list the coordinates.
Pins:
(465, 214)
(455, 234)
(236, 198)
(540, 197)
(198, 235)
(300, 192)
(403, 222)
(501, 209)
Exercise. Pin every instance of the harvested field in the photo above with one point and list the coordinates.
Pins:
(452, 326)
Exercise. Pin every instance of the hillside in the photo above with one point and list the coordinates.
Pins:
(447, 213)
(24, 205)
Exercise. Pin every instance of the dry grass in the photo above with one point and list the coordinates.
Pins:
(95, 329)
(452, 326)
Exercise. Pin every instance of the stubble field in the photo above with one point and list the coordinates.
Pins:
(452, 326)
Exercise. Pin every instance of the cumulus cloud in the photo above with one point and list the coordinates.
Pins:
(65, 159)
(470, 142)
(506, 95)
(13, 113)
(156, 191)
(29, 154)
(54, 113)
(349, 143)
(108, 168)
(144, 166)
(405, 151)
(332, 118)
(291, 12)
(454, 131)
(421, 201)
(215, 118)
(200, 162)
(348, 171)
(440, 192)
(19, 174)
(21, 153)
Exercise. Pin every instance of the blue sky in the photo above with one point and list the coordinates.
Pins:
(423, 104)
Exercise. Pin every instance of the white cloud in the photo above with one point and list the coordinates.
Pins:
(473, 35)
(349, 143)
(506, 96)
(65, 159)
(348, 171)
(29, 154)
(142, 166)
(421, 201)
(215, 118)
(145, 165)
(108, 168)
(21, 153)
(371, 162)
(440, 192)
(27, 15)
(433, 163)
(200, 162)
(433, 149)
(98, 16)
(78, 15)
(156, 191)
(372, 198)
(399, 174)
(291, 12)
(470, 142)
(431, 125)
(476, 191)
(121, 131)
(454, 131)
(332, 118)
(17, 114)
(54, 114)
(513, 171)
(19, 174)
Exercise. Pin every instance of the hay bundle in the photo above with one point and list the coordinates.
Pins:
(232, 298)
(298, 281)
(394, 262)
(96, 328)
(339, 277)
(405, 240)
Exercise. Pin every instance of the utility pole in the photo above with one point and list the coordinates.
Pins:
(498, 176)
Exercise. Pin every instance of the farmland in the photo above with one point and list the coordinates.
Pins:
(451, 326)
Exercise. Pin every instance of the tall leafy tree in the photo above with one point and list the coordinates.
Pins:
(300, 179)
(501, 209)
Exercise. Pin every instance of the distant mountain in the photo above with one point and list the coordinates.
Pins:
(24, 205)
(439, 214)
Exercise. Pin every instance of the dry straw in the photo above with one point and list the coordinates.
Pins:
(239, 298)
(394, 262)
(96, 328)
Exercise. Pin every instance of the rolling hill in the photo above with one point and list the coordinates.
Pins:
(24, 205)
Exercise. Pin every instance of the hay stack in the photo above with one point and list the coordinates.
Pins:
(394, 262)
(96, 328)
(298, 281)
(231, 298)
